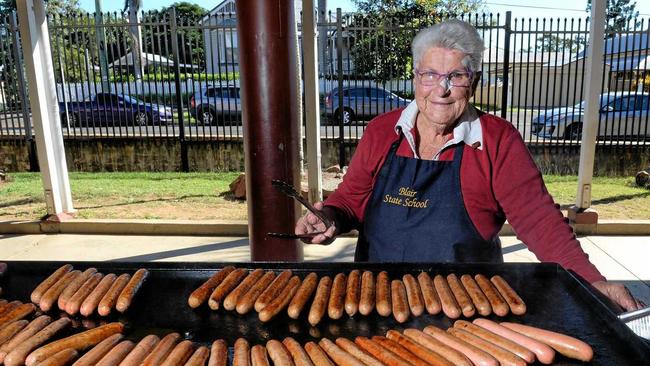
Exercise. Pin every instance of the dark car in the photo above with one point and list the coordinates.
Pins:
(361, 102)
(114, 109)
(216, 104)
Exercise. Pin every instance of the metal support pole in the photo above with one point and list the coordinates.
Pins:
(100, 34)
(506, 65)
(45, 109)
(312, 107)
(594, 64)
(339, 70)
(267, 58)
(185, 165)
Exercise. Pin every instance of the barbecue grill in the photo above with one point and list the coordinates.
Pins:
(556, 300)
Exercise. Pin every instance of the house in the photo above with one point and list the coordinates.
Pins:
(149, 62)
(219, 27)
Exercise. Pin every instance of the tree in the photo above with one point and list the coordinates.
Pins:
(619, 14)
(384, 52)
(158, 39)
(552, 43)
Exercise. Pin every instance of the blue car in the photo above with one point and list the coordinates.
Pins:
(113, 109)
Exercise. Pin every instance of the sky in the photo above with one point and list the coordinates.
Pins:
(519, 8)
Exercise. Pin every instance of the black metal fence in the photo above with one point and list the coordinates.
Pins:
(181, 79)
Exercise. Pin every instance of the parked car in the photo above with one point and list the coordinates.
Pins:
(361, 102)
(216, 104)
(620, 114)
(113, 109)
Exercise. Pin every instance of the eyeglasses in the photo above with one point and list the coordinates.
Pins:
(461, 79)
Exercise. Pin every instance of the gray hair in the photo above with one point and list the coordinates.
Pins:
(452, 34)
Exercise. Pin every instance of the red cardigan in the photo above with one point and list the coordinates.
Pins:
(498, 181)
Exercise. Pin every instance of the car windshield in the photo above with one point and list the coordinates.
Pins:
(129, 99)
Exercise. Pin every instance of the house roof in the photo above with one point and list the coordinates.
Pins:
(630, 42)
(228, 6)
(148, 59)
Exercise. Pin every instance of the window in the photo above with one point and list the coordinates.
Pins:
(623, 104)
(642, 103)
(378, 93)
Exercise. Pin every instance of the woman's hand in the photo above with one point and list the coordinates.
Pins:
(619, 294)
(310, 224)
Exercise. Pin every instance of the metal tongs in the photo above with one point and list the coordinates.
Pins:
(288, 189)
(638, 321)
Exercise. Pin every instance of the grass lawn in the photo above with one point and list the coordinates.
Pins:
(198, 196)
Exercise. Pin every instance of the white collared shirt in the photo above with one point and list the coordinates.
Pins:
(468, 129)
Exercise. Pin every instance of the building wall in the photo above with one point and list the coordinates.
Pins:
(164, 155)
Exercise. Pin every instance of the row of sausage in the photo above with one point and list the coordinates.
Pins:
(74, 291)
(357, 292)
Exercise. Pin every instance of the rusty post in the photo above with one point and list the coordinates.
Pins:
(267, 61)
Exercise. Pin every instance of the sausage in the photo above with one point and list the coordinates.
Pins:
(317, 355)
(73, 286)
(107, 302)
(218, 353)
(337, 354)
(140, 351)
(9, 306)
(100, 350)
(4, 304)
(562, 343)
(449, 305)
(279, 353)
(18, 355)
(367, 297)
(383, 300)
(246, 302)
(319, 305)
(198, 296)
(180, 354)
(61, 358)
(241, 353)
(259, 356)
(74, 302)
(230, 302)
(504, 357)
(429, 356)
(281, 301)
(303, 295)
(508, 345)
(161, 350)
(228, 284)
(413, 294)
(351, 348)
(516, 304)
(32, 328)
(80, 342)
(352, 292)
(20, 312)
(49, 282)
(478, 298)
(52, 294)
(476, 355)
(11, 329)
(451, 354)
(300, 357)
(90, 303)
(379, 352)
(117, 354)
(125, 298)
(498, 304)
(272, 291)
(461, 296)
(431, 299)
(544, 353)
(400, 303)
(400, 351)
(337, 298)
(199, 357)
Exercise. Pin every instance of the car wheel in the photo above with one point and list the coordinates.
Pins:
(140, 119)
(348, 116)
(206, 116)
(573, 131)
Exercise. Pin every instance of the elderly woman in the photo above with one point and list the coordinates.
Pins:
(436, 181)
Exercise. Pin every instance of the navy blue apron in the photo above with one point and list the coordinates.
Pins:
(416, 213)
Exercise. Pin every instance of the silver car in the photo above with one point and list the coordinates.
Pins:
(216, 104)
(361, 102)
(620, 114)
